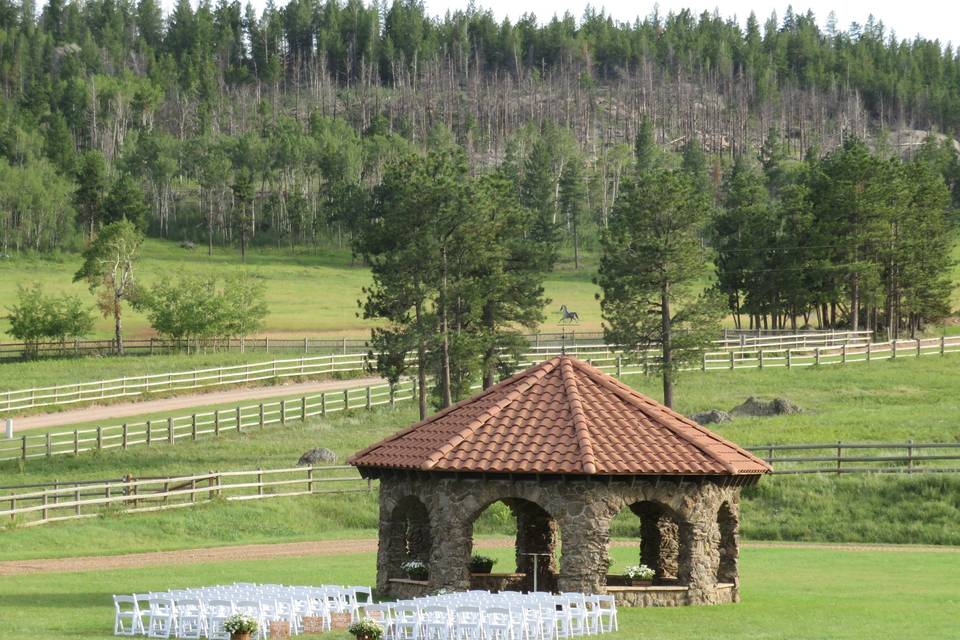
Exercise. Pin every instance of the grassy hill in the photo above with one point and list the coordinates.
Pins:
(890, 401)
(309, 293)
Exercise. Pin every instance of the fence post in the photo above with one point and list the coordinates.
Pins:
(303, 408)
(843, 353)
(239, 420)
(149, 435)
(261, 415)
(49, 447)
(259, 481)
(789, 357)
(918, 347)
(731, 360)
(23, 447)
(124, 436)
(99, 438)
(13, 508)
(193, 426)
(869, 349)
(171, 437)
(760, 358)
(943, 344)
(216, 423)
(211, 494)
(76, 442)
(344, 345)
(893, 353)
(43, 502)
(283, 412)
(816, 355)
(839, 457)
(76, 500)
(346, 399)
(323, 404)
(304, 349)
(266, 344)
(392, 396)
(9, 428)
(909, 456)
(620, 364)
(369, 397)
(703, 363)
(310, 480)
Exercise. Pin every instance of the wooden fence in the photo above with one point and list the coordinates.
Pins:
(604, 356)
(133, 495)
(41, 504)
(173, 430)
(861, 457)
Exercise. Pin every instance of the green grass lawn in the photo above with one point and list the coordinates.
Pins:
(886, 401)
(311, 293)
(787, 593)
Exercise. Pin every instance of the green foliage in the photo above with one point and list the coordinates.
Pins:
(37, 316)
(125, 201)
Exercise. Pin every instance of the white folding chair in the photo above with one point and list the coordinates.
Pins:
(380, 613)
(191, 618)
(435, 622)
(217, 613)
(497, 624)
(406, 622)
(575, 607)
(607, 613)
(360, 597)
(126, 616)
(467, 623)
(162, 622)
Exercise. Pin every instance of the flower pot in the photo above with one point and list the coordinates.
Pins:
(482, 570)
(239, 636)
(641, 583)
(417, 576)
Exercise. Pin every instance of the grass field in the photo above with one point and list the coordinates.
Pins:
(309, 293)
(787, 593)
(888, 401)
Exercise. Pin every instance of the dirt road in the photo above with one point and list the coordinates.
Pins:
(112, 412)
(337, 547)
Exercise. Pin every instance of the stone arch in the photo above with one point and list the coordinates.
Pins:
(537, 531)
(727, 523)
(664, 541)
(409, 534)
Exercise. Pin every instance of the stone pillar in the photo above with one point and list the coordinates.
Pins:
(699, 559)
(659, 539)
(453, 543)
(728, 523)
(536, 533)
(586, 537)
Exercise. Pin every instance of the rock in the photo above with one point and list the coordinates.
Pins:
(187, 244)
(756, 407)
(713, 416)
(315, 456)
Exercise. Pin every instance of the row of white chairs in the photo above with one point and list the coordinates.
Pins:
(481, 615)
(201, 612)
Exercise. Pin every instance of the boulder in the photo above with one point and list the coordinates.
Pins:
(188, 245)
(316, 456)
(755, 407)
(713, 416)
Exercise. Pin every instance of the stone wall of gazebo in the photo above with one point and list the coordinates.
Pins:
(440, 532)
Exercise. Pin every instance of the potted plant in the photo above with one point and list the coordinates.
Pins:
(481, 564)
(640, 575)
(415, 569)
(366, 629)
(240, 626)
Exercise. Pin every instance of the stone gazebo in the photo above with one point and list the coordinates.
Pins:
(566, 447)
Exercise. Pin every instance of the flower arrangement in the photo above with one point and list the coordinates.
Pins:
(481, 564)
(240, 625)
(640, 573)
(366, 629)
(415, 569)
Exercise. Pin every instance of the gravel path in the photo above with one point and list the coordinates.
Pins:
(126, 409)
(337, 547)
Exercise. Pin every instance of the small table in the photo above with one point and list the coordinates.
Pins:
(536, 557)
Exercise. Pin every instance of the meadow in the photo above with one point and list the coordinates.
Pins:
(886, 401)
(786, 593)
(310, 292)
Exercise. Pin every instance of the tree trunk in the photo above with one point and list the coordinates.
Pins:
(667, 346)
(421, 364)
(855, 303)
(491, 351)
(446, 398)
(117, 325)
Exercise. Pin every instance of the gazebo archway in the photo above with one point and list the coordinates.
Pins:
(563, 444)
(536, 531)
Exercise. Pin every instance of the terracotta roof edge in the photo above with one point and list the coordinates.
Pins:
(439, 414)
(639, 401)
(587, 457)
(529, 377)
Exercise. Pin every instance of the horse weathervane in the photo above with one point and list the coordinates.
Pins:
(568, 316)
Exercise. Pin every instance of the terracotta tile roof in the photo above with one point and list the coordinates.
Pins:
(561, 416)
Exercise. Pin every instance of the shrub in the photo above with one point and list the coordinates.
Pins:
(641, 572)
(415, 570)
(481, 564)
(240, 623)
(366, 629)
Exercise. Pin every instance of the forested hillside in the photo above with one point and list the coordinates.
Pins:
(824, 161)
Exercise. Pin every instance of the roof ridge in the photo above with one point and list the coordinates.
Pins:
(528, 379)
(439, 414)
(584, 441)
(639, 401)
